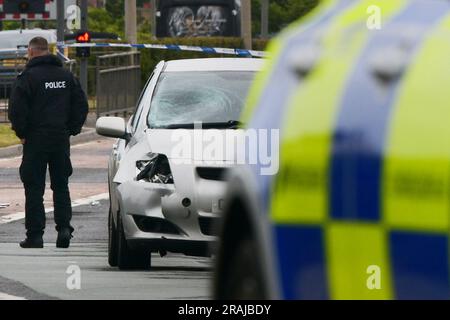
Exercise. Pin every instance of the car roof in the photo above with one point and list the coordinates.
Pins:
(215, 64)
(28, 31)
(10, 39)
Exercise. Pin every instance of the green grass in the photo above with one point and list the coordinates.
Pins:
(91, 102)
(7, 136)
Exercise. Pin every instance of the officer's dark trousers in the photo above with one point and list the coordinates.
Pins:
(37, 155)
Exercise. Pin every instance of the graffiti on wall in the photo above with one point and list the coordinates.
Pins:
(197, 21)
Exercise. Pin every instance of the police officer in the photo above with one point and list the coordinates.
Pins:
(46, 107)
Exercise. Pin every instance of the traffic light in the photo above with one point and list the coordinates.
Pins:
(95, 36)
(83, 37)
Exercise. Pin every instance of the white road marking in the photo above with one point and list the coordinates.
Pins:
(75, 203)
(4, 296)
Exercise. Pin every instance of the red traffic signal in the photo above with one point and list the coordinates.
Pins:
(83, 37)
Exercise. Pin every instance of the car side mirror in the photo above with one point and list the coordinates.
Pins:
(389, 64)
(113, 127)
(304, 60)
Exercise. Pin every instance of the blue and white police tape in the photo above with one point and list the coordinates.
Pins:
(63, 57)
(229, 51)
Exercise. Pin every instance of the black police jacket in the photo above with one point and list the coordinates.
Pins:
(47, 100)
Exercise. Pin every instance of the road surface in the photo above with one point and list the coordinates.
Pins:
(52, 273)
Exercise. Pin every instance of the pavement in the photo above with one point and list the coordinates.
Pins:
(90, 161)
(52, 273)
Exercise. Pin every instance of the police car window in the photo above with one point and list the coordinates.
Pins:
(188, 97)
(140, 105)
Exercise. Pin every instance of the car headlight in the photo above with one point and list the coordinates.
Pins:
(155, 170)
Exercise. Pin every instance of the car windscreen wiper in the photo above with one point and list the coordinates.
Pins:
(231, 124)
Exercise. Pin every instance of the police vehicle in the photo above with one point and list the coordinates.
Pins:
(360, 206)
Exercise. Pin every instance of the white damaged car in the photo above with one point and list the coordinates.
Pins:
(164, 195)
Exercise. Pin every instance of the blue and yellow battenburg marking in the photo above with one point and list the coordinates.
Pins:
(364, 176)
(266, 108)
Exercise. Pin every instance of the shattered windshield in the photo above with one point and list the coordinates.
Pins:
(187, 97)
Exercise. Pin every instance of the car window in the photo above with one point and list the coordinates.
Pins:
(187, 97)
(140, 104)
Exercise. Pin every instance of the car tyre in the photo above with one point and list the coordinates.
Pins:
(112, 241)
(246, 281)
(129, 258)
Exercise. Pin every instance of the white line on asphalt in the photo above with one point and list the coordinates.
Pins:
(76, 203)
(4, 296)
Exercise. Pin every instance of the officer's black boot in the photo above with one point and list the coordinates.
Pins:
(64, 236)
(32, 243)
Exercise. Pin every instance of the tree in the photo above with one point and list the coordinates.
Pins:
(115, 8)
(281, 13)
(101, 20)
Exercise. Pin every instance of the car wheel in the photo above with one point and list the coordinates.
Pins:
(129, 258)
(112, 241)
(246, 281)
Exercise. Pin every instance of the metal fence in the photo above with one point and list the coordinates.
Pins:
(118, 83)
(5, 89)
(11, 64)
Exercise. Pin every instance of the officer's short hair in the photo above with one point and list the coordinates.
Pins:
(38, 43)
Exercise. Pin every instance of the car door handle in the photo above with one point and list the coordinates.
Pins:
(304, 59)
(389, 64)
